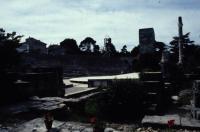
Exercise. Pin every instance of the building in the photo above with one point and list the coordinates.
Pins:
(24, 48)
(32, 45)
(146, 40)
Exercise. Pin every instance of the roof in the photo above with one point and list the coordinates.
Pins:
(35, 41)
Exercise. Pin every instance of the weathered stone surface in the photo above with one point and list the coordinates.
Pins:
(37, 125)
(88, 130)
(78, 91)
(42, 104)
(150, 76)
(113, 77)
(189, 122)
(180, 121)
(110, 130)
(161, 120)
(37, 104)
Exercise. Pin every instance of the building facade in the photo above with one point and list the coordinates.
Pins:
(32, 45)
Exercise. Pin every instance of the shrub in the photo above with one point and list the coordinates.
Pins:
(123, 99)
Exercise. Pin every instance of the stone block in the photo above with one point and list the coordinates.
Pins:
(150, 76)
(161, 120)
(152, 86)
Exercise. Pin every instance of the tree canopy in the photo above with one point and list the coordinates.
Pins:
(124, 50)
(70, 46)
(110, 49)
(87, 44)
(174, 46)
(135, 51)
(8, 54)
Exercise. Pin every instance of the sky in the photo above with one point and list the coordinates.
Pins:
(51, 21)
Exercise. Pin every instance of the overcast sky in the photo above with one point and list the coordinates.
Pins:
(52, 21)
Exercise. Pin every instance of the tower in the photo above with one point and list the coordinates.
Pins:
(146, 40)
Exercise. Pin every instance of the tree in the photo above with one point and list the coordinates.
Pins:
(86, 45)
(96, 49)
(110, 49)
(8, 54)
(174, 46)
(55, 50)
(159, 48)
(70, 46)
(124, 50)
(148, 61)
(135, 51)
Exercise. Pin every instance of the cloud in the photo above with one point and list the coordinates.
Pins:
(52, 21)
(128, 5)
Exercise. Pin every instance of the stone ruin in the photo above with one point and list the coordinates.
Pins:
(195, 102)
(46, 81)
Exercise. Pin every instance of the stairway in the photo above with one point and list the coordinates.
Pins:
(153, 86)
(78, 90)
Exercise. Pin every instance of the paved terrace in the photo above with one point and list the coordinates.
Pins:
(122, 76)
(79, 85)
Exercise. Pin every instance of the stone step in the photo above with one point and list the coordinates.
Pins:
(151, 97)
(167, 83)
(67, 83)
(151, 108)
(152, 86)
(75, 92)
(150, 76)
(191, 77)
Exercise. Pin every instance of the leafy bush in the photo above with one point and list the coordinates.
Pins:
(123, 99)
(91, 107)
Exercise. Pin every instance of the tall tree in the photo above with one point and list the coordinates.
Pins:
(87, 44)
(159, 48)
(70, 46)
(96, 49)
(124, 50)
(8, 54)
(135, 51)
(110, 49)
(174, 46)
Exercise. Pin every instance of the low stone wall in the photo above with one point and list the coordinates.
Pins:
(40, 82)
(46, 81)
(99, 82)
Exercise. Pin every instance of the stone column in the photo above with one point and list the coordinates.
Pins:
(180, 41)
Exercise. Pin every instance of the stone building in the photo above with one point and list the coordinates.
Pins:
(32, 45)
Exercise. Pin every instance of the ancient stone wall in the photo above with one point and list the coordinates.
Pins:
(81, 64)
